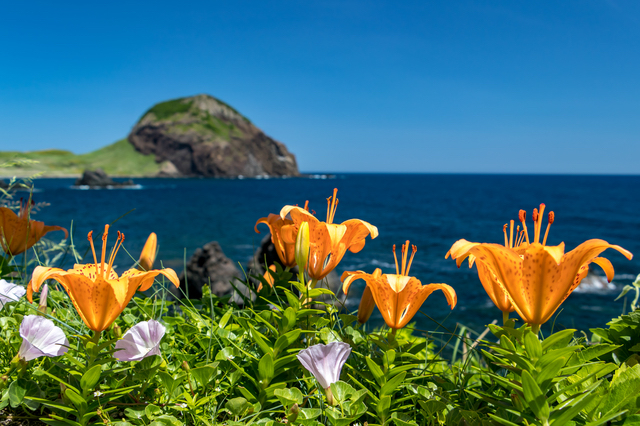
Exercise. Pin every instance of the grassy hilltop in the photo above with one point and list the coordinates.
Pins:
(117, 159)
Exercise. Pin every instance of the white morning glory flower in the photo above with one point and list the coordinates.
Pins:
(10, 292)
(325, 361)
(41, 337)
(140, 341)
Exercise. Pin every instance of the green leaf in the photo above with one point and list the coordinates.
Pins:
(293, 300)
(288, 319)
(285, 340)
(166, 420)
(260, 340)
(17, 391)
(563, 416)
(288, 397)
(383, 407)
(134, 414)
(507, 344)
(392, 385)
(342, 391)
(502, 421)
(376, 371)
(90, 379)
(532, 345)
(558, 340)
(204, 373)
(534, 397)
(624, 390)
(237, 406)
(77, 400)
(225, 318)
(152, 411)
(170, 383)
(309, 413)
(266, 369)
(550, 372)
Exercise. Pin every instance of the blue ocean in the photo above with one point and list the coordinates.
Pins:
(431, 210)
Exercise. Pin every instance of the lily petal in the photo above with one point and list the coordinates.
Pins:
(415, 294)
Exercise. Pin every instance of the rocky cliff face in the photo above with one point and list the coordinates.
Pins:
(202, 136)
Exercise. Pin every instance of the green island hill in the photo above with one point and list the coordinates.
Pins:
(192, 136)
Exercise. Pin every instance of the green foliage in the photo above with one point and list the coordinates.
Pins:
(166, 109)
(624, 332)
(225, 364)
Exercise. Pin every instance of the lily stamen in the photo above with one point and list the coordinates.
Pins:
(522, 216)
(104, 249)
(506, 239)
(90, 238)
(538, 229)
(396, 259)
(511, 223)
(306, 205)
(414, 249)
(546, 234)
(332, 205)
(405, 252)
(114, 251)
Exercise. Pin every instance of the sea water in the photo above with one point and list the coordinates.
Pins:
(431, 210)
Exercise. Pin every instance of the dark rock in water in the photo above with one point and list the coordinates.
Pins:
(267, 251)
(203, 136)
(209, 266)
(99, 179)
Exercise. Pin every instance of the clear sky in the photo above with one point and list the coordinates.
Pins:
(425, 86)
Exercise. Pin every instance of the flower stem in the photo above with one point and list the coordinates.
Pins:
(535, 328)
(505, 317)
(96, 337)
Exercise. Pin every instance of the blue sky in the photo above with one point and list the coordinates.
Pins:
(365, 86)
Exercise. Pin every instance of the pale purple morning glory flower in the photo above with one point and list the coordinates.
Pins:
(41, 337)
(140, 341)
(325, 361)
(10, 292)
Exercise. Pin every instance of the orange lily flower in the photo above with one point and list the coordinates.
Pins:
(95, 289)
(268, 278)
(487, 278)
(148, 254)
(367, 303)
(18, 233)
(537, 278)
(326, 239)
(398, 296)
(285, 249)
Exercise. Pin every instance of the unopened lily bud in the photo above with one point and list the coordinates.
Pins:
(185, 366)
(42, 307)
(367, 303)
(302, 246)
(117, 331)
(148, 255)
